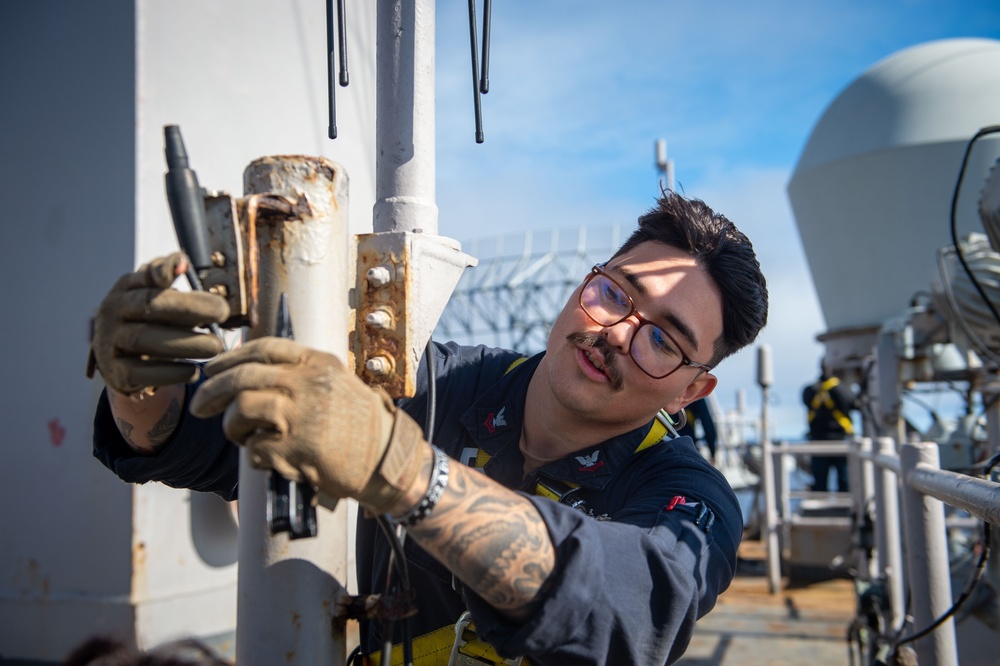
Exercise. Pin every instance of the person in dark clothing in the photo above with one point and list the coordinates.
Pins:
(618, 575)
(107, 651)
(699, 413)
(830, 404)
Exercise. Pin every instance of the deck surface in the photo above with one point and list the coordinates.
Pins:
(802, 624)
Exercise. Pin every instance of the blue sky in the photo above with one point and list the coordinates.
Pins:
(580, 91)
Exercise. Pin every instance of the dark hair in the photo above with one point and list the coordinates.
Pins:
(105, 651)
(723, 251)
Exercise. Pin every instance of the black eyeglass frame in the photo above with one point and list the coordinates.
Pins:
(598, 269)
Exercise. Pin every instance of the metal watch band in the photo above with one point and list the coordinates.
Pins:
(439, 480)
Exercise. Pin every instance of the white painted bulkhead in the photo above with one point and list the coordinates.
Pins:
(87, 88)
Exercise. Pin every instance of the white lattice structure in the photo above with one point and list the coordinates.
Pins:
(521, 284)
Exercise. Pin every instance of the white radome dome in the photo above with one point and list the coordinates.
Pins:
(872, 189)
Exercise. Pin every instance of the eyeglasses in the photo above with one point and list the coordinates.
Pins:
(654, 350)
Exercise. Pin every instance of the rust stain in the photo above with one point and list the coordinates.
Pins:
(56, 432)
(252, 254)
(290, 656)
(139, 571)
(297, 619)
(327, 171)
(371, 341)
(139, 554)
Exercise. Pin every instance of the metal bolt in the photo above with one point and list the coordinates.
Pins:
(219, 289)
(379, 365)
(379, 276)
(379, 318)
(218, 259)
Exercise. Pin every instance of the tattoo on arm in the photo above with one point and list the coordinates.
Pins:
(164, 428)
(493, 539)
(126, 428)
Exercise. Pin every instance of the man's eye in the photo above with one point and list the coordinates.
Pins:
(613, 295)
(661, 342)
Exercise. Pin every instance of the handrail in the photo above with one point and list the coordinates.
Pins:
(907, 484)
(977, 496)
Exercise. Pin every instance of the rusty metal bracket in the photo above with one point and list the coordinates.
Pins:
(229, 275)
(404, 281)
(382, 607)
(232, 237)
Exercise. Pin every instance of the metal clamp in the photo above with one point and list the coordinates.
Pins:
(459, 657)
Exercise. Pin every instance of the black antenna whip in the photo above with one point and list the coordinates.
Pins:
(475, 71)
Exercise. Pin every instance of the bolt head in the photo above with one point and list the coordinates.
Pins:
(378, 276)
(378, 365)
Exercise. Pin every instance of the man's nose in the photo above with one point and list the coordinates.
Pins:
(620, 335)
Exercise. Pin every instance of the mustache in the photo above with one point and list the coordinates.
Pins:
(611, 357)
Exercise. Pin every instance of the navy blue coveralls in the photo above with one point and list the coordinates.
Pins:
(631, 578)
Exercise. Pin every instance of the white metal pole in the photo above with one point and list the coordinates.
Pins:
(862, 489)
(765, 378)
(404, 122)
(771, 524)
(927, 560)
(288, 588)
(888, 538)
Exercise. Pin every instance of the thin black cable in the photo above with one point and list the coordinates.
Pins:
(966, 593)
(969, 586)
(431, 392)
(908, 395)
(397, 563)
(992, 129)
(397, 557)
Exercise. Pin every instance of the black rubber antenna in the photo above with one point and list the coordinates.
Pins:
(484, 75)
(342, 40)
(331, 67)
(475, 71)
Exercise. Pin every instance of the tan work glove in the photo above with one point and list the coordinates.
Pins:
(301, 413)
(144, 329)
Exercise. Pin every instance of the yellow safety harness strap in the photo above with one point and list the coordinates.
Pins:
(434, 649)
(549, 488)
(824, 399)
(431, 648)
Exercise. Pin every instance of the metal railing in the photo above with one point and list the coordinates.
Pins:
(907, 492)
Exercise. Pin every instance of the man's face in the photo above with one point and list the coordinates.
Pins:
(589, 368)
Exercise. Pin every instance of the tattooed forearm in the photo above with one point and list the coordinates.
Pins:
(126, 428)
(491, 538)
(164, 428)
(148, 423)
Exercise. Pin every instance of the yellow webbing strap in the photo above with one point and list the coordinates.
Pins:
(431, 648)
(823, 399)
(434, 649)
(516, 363)
(655, 434)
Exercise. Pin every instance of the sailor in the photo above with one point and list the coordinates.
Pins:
(830, 404)
(551, 505)
(698, 413)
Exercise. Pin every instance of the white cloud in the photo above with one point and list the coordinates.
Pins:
(756, 202)
(580, 92)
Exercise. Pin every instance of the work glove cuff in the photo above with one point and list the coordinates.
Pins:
(397, 471)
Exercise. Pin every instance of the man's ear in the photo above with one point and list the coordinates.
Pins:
(696, 390)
